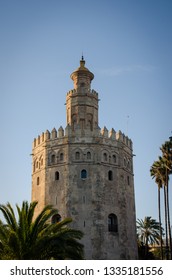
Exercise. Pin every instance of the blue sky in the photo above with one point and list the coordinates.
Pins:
(128, 47)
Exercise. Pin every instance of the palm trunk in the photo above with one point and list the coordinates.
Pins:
(160, 228)
(168, 220)
(166, 229)
(146, 248)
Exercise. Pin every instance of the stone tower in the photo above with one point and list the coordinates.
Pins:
(87, 174)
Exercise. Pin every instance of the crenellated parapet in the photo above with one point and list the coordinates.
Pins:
(77, 91)
(124, 139)
(47, 135)
(104, 134)
(116, 136)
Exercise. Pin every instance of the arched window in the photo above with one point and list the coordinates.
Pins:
(105, 157)
(110, 175)
(37, 181)
(90, 121)
(83, 174)
(82, 123)
(34, 166)
(74, 122)
(88, 155)
(77, 155)
(56, 175)
(128, 180)
(114, 158)
(53, 159)
(112, 223)
(82, 84)
(55, 219)
(84, 199)
(61, 156)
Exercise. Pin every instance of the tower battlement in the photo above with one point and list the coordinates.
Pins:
(77, 91)
(61, 134)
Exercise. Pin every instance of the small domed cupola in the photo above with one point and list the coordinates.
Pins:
(82, 77)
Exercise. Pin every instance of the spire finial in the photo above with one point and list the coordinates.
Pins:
(82, 61)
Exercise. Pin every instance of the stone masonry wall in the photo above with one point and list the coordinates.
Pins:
(108, 186)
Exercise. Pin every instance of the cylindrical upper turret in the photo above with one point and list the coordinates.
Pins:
(82, 102)
(82, 77)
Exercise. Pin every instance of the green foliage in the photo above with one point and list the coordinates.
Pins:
(148, 233)
(31, 239)
(160, 171)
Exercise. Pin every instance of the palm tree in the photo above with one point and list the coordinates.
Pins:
(160, 172)
(148, 231)
(167, 163)
(28, 238)
(155, 173)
